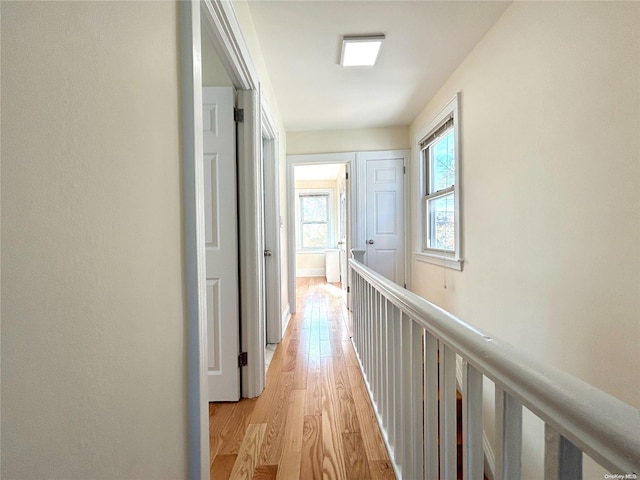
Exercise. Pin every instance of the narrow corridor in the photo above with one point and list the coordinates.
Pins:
(314, 420)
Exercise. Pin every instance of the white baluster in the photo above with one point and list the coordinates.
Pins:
(508, 436)
(398, 387)
(417, 377)
(562, 459)
(473, 451)
(431, 459)
(407, 420)
(448, 434)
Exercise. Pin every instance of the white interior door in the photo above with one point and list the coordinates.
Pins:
(385, 217)
(221, 244)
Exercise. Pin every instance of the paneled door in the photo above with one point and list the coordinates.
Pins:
(221, 244)
(384, 209)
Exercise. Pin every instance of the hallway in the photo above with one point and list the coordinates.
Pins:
(314, 419)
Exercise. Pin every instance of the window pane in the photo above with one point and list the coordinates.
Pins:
(314, 208)
(441, 223)
(443, 163)
(314, 235)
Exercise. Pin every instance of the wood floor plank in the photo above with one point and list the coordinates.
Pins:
(289, 466)
(314, 419)
(277, 418)
(219, 415)
(369, 429)
(355, 458)
(332, 451)
(247, 459)
(348, 414)
(381, 470)
(301, 371)
(231, 436)
(265, 472)
(313, 401)
(311, 459)
(221, 467)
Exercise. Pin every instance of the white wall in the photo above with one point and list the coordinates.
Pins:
(93, 310)
(360, 140)
(213, 71)
(550, 119)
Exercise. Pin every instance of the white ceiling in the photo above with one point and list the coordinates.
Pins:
(425, 42)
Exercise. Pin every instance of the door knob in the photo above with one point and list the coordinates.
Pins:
(267, 253)
(370, 242)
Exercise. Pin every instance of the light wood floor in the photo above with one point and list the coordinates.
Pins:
(314, 419)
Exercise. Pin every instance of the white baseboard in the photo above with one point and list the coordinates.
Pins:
(489, 458)
(286, 316)
(310, 272)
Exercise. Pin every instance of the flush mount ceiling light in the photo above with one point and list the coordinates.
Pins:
(360, 50)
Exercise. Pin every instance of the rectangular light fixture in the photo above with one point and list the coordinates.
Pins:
(360, 50)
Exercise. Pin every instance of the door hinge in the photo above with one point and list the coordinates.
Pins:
(238, 115)
(348, 289)
(346, 175)
(243, 359)
(404, 170)
(405, 285)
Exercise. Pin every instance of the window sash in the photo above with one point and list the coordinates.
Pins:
(303, 222)
(428, 222)
(428, 155)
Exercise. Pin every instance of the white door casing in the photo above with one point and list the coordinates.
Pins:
(218, 20)
(342, 238)
(221, 244)
(347, 158)
(250, 212)
(384, 217)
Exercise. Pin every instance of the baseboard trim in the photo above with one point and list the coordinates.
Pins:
(286, 316)
(310, 272)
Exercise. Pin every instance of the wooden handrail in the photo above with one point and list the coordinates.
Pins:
(600, 425)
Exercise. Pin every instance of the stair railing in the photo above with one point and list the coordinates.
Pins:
(407, 350)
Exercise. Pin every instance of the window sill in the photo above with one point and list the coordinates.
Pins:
(441, 260)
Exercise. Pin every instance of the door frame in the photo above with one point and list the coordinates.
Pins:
(272, 225)
(361, 229)
(348, 158)
(219, 20)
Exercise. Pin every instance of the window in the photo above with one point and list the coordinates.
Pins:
(314, 220)
(440, 191)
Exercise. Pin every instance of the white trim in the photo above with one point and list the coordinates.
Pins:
(250, 220)
(360, 200)
(310, 272)
(286, 316)
(455, 260)
(441, 260)
(311, 159)
(273, 264)
(221, 22)
(195, 268)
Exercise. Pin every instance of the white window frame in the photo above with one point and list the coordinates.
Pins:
(422, 252)
(301, 192)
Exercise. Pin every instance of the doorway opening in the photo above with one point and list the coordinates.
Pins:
(319, 213)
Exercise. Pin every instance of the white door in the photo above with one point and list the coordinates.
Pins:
(221, 244)
(385, 217)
